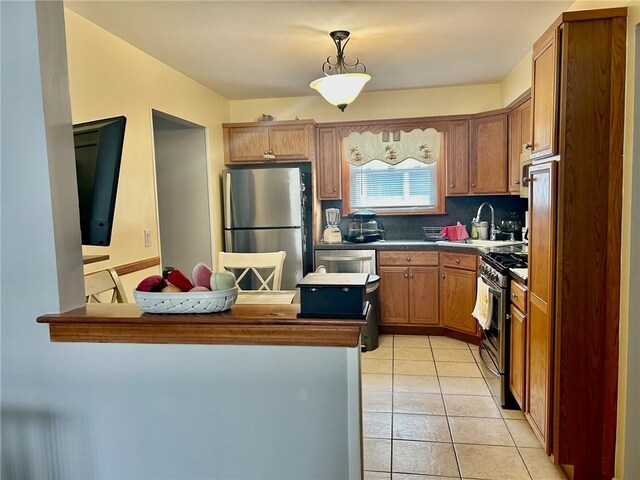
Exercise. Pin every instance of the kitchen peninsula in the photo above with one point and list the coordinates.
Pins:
(241, 325)
(260, 390)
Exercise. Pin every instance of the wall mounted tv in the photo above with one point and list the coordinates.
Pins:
(98, 147)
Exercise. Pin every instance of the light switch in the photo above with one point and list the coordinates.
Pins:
(147, 238)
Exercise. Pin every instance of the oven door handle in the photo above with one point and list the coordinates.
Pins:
(328, 258)
(491, 288)
(496, 373)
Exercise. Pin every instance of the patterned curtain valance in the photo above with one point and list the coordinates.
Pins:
(392, 148)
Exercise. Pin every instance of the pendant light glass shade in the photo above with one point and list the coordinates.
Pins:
(342, 81)
(340, 90)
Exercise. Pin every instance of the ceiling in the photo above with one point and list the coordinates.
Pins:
(262, 49)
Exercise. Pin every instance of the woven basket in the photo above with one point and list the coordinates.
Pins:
(186, 302)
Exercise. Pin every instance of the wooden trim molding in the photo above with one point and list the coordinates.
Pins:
(523, 97)
(136, 266)
(241, 325)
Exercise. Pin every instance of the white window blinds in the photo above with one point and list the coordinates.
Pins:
(408, 184)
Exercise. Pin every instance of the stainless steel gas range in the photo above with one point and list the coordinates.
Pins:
(494, 347)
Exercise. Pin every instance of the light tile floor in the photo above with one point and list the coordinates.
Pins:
(428, 415)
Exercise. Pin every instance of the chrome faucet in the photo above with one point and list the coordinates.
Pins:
(492, 228)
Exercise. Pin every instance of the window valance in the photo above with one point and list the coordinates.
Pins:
(392, 147)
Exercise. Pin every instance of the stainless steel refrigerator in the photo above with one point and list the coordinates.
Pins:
(264, 211)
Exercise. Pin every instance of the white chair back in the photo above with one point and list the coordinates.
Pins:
(98, 283)
(272, 262)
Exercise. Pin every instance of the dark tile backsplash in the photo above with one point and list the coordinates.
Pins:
(459, 209)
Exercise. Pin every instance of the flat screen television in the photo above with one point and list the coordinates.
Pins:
(98, 147)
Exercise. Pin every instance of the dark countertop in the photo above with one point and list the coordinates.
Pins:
(400, 245)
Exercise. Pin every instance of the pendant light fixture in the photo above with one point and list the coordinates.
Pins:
(342, 81)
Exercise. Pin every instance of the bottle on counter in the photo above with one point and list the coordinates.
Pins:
(474, 228)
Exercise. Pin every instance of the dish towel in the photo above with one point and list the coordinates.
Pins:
(482, 308)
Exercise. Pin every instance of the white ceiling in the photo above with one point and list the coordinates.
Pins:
(261, 49)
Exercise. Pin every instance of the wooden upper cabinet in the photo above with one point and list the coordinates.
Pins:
(292, 142)
(544, 95)
(488, 156)
(246, 144)
(519, 140)
(278, 141)
(329, 165)
(458, 159)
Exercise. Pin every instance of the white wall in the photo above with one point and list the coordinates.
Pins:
(130, 411)
(182, 194)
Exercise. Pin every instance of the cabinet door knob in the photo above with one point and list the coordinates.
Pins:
(516, 182)
(473, 185)
(408, 258)
(335, 189)
(452, 186)
(411, 275)
(457, 260)
(528, 146)
(406, 275)
(442, 275)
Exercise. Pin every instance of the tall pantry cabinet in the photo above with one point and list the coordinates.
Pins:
(575, 226)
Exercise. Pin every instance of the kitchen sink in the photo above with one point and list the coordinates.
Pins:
(478, 243)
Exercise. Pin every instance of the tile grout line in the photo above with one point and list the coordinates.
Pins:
(504, 420)
(444, 406)
(393, 364)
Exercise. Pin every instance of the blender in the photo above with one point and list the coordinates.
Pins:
(332, 233)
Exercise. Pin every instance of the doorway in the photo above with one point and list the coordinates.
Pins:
(182, 191)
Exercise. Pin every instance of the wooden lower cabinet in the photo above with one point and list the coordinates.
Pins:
(457, 299)
(539, 373)
(409, 295)
(394, 295)
(517, 356)
(540, 325)
(432, 290)
(423, 295)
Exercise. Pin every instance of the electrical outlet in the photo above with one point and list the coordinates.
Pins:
(147, 237)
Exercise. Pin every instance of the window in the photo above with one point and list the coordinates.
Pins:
(378, 185)
(403, 175)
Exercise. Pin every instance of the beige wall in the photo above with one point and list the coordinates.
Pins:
(109, 77)
(423, 102)
(518, 80)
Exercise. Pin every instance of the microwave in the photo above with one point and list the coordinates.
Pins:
(525, 164)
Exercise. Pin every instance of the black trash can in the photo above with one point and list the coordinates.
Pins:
(369, 334)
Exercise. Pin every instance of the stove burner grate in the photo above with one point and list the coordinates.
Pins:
(507, 260)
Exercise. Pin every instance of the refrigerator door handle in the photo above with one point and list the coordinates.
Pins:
(227, 199)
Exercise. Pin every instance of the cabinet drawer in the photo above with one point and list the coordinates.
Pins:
(408, 258)
(519, 296)
(464, 261)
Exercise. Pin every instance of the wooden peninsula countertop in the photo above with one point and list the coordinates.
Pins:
(241, 325)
